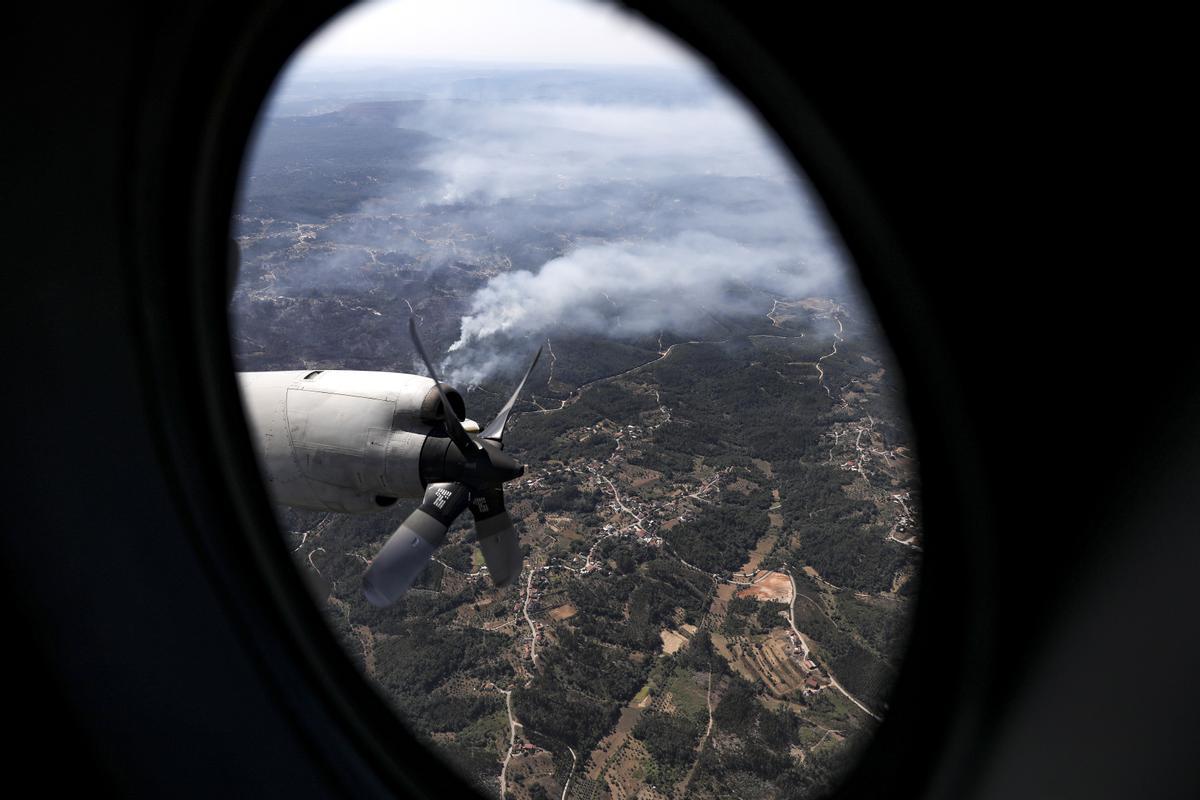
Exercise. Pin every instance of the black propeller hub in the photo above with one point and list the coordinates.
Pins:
(485, 468)
(496, 466)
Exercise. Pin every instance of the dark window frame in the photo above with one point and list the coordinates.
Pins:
(186, 156)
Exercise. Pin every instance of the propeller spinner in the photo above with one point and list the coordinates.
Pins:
(471, 473)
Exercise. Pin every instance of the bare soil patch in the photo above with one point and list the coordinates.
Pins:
(772, 587)
(565, 611)
(672, 641)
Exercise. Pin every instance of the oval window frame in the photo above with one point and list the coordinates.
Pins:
(184, 320)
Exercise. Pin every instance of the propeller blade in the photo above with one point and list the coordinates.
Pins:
(495, 428)
(498, 539)
(453, 427)
(407, 552)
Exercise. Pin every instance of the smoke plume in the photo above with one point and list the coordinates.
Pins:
(606, 204)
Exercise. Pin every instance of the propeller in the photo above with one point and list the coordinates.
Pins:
(453, 427)
(474, 472)
(495, 428)
(409, 549)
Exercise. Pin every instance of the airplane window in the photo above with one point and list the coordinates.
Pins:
(656, 526)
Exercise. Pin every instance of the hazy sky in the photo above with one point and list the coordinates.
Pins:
(494, 31)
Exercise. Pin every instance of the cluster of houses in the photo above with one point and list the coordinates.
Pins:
(814, 680)
(905, 520)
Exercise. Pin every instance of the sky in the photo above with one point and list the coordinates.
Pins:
(561, 32)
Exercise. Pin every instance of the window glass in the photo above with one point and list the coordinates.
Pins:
(718, 518)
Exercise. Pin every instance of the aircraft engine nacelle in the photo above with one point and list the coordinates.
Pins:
(342, 440)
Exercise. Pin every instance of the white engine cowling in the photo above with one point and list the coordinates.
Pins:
(341, 440)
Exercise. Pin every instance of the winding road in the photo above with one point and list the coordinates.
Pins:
(575, 395)
(512, 741)
(805, 651)
(837, 337)
(532, 627)
(570, 774)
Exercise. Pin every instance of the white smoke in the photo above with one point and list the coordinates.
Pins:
(523, 149)
(643, 211)
(705, 199)
(626, 289)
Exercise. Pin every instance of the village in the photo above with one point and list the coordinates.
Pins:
(605, 503)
